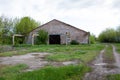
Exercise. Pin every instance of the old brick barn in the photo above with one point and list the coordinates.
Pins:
(61, 33)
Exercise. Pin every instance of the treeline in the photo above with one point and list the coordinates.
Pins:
(110, 35)
(10, 26)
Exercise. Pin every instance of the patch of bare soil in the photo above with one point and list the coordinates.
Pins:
(2, 66)
(101, 68)
(117, 56)
(33, 60)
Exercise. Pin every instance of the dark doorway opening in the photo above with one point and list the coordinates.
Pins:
(54, 39)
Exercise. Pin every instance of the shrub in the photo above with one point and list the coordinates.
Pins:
(92, 39)
(74, 42)
(42, 38)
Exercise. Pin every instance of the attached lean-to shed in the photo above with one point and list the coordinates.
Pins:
(61, 33)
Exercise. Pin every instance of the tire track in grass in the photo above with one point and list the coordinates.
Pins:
(117, 56)
(103, 68)
(98, 70)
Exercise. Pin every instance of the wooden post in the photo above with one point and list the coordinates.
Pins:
(33, 36)
(67, 38)
(48, 40)
(13, 39)
(32, 39)
(89, 38)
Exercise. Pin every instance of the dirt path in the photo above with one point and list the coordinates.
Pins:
(117, 56)
(101, 69)
(98, 70)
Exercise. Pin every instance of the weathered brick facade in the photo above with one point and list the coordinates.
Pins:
(56, 27)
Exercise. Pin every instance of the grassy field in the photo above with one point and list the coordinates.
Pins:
(8, 72)
(56, 73)
(118, 47)
(85, 53)
(60, 52)
(70, 72)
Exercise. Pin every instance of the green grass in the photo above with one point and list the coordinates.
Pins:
(85, 53)
(114, 77)
(8, 72)
(70, 72)
(51, 49)
(117, 47)
(86, 56)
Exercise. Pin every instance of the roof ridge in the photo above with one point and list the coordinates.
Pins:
(60, 22)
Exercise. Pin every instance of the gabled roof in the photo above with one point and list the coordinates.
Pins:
(61, 23)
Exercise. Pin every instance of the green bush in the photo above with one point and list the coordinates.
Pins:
(19, 40)
(92, 39)
(74, 42)
(42, 38)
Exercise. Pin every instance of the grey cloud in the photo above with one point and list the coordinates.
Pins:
(4, 1)
(5, 5)
(79, 3)
(37, 7)
(116, 4)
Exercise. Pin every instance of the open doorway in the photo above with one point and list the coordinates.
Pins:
(54, 39)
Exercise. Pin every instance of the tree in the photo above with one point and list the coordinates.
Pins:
(25, 25)
(6, 26)
(43, 37)
(1, 27)
(9, 26)
(108, 35)
(118, 34)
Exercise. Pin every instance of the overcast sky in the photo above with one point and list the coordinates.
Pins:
(89, 15)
